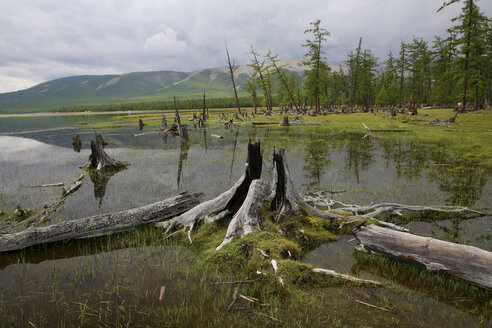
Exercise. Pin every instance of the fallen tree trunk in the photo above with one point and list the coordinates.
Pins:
(462, 261)
(99, 225)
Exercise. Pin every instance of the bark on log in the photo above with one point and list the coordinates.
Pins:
(99, 225)
(462, 261)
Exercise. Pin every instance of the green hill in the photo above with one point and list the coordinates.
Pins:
(129, 88)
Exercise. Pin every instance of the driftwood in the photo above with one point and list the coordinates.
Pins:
(216, 136)
(346, 277)
(465, 262)
(99, 225)
(59, 184)
(371, 211)
(373, 130)
(156, 131)
(52, 209)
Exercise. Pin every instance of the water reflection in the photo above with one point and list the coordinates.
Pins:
(462, 182)
(315, 159)
(76, 143)
(100, 179)
(183, 155)
(359, 153)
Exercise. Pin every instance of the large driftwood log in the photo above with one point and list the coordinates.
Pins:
(228, 202)
(99, 225)
(466, 262)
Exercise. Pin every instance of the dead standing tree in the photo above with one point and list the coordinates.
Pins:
(232, 68)
(183, 132)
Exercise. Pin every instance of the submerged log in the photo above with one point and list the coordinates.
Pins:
(99, 225)
(462, 261)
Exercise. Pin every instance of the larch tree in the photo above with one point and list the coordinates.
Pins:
(471, 30)
(314, 60)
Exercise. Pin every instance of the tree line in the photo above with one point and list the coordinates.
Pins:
(446, 71)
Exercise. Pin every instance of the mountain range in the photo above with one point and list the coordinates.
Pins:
(130, 87)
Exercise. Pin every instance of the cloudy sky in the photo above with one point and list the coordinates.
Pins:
(46, 39)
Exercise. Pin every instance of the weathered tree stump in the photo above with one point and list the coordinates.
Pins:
(286, 121)
(227, 202)
(98, 158)
(140, 124)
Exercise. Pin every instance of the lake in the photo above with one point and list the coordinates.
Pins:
(36, 284)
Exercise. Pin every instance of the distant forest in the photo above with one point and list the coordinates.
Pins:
(445, 71)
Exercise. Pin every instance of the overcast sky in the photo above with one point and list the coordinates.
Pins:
(46, 39)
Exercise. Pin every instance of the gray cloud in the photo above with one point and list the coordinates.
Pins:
(47, 39)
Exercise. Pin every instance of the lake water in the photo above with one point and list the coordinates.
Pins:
(371, 169)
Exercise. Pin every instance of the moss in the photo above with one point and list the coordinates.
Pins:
(82, 123)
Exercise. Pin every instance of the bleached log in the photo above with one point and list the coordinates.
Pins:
(346, 277)
(66, 192)
(99, 225)
(373, 130)
(462, 261)
(247, 217)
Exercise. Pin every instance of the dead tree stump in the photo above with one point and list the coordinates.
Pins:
(98, 158)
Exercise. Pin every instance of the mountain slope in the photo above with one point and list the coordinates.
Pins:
(130, 87)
